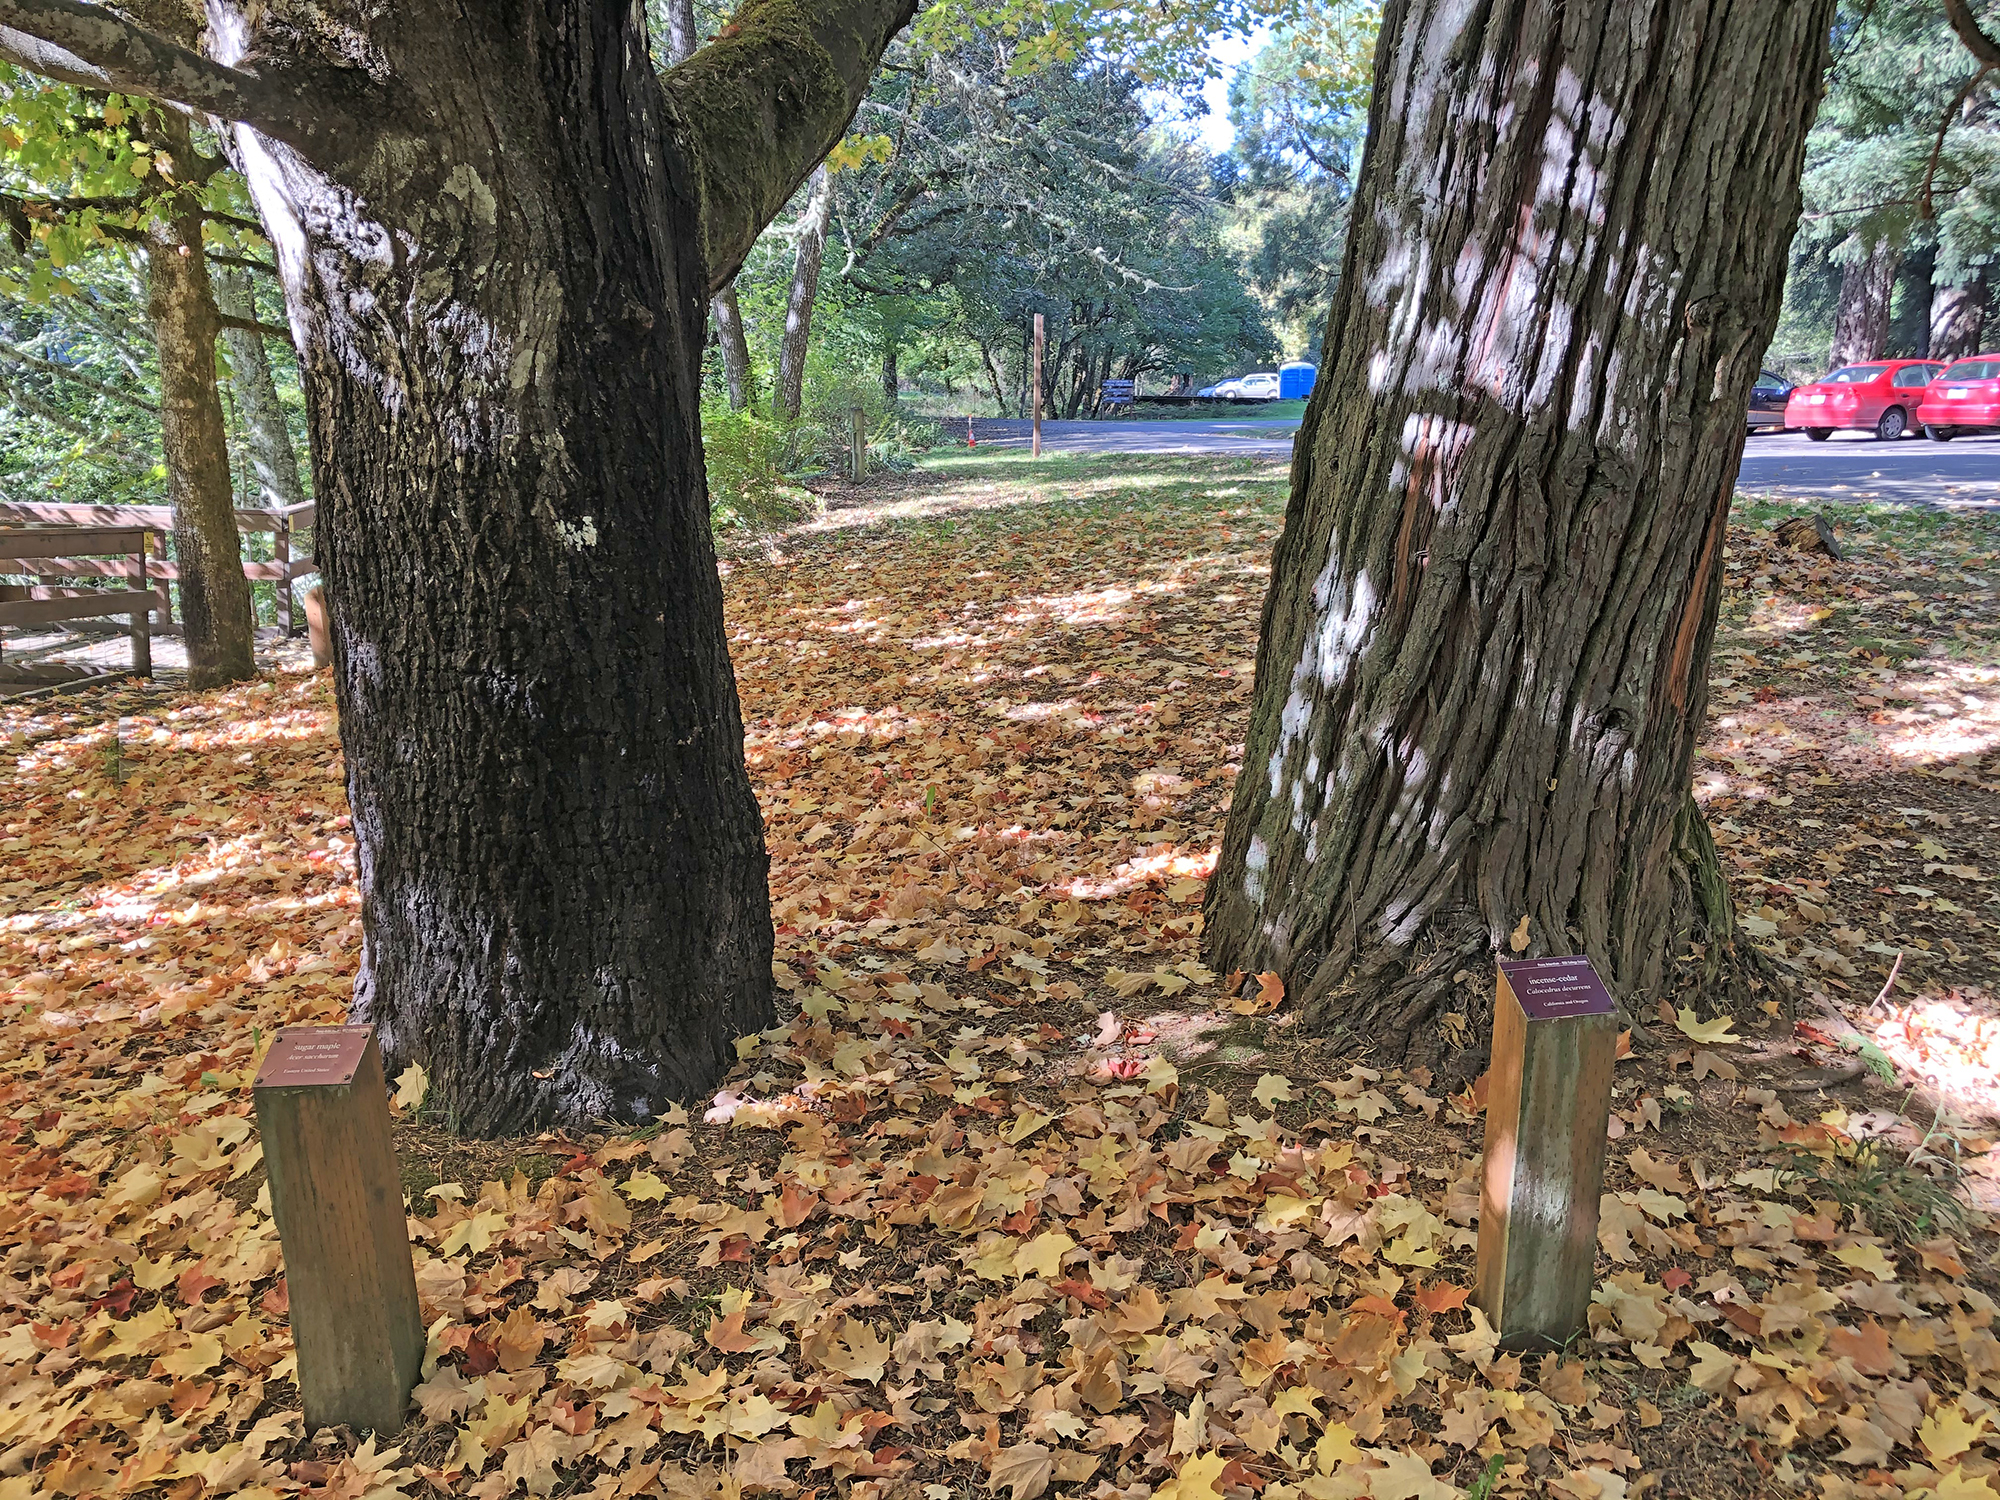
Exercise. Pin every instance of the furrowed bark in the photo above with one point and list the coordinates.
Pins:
(215, 596)
(1482, 668)
(792, 347)
(1958, 316)
(737, 375)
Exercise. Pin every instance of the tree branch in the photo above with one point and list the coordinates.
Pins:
(76, 377)
(761, 105)
(75, 42)
(92, 47)
(1966, 24)
(1925, 207)
(251, 325)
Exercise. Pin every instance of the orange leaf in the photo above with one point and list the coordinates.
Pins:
(1442, 1297)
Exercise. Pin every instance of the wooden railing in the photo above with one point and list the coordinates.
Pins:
(160, 518)
(40, 546)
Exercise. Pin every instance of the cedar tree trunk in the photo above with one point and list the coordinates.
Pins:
(790, 393)
(1867, 282)
(1958, 316)
(272, 456)
(496, 255)
(215, 596)
(1481, 675)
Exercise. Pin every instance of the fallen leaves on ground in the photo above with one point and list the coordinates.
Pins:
(960, 1223)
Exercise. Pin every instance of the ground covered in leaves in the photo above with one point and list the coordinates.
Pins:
(1020, 1198)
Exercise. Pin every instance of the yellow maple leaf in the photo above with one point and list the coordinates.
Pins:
(1272, 1090)
(643, 1187)
(1196, 1479)
(1945, 1433)
(1709, 1033)
(1042, 1255)
(411, 1086)
(1868, 1259)
(202, 1354)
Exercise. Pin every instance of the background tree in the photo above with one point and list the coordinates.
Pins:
(1484, 651)
(1902, 194)
(114, 176)
(497, 255)
(1299, 108)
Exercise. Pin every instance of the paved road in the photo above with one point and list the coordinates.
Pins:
(1265, 438)
(1854, 466)
(1849, 466)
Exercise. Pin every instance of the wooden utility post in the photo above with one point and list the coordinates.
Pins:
(1041, 338)
(323, 1112)
(1548, 1101)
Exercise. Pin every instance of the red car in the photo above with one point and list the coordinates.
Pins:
(1965, 398)
(1877, 397)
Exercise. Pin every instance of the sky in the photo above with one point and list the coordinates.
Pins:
(1213, 128)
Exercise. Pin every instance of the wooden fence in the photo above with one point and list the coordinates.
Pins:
(283, 524)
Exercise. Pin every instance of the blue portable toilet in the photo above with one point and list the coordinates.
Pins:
(1295, 381)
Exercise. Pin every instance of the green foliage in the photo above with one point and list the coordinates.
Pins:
(1300, 111)
(749, 461)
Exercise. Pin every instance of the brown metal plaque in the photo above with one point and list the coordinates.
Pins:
(305, 1056)
(1555, 989)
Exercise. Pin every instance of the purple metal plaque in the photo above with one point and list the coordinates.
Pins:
(305, 1056)
(1554, 989)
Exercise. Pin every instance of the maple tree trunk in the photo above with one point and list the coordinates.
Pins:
(562, 863)
(805, 291)
(1861, 321)
(1958, 317)
(1481, 674)
(215, 596)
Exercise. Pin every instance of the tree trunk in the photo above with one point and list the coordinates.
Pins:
(272, 457)
(737, 376)
(682, 39)
(1482, 669)
(562, 862)
(1958, 316)
(215, 596)
(496, 254)
(805, 291)
(992, 363)
(892, 380)
(1909, 334)
(1867, 281)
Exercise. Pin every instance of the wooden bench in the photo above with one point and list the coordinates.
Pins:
(35, 604)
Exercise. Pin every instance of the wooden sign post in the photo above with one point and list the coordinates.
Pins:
(1548, 1100)
(323, 1110)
